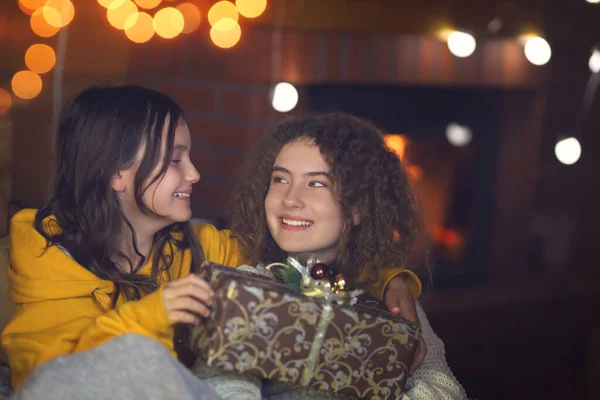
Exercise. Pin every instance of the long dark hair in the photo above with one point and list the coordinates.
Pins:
(368, 177)
(100, 132)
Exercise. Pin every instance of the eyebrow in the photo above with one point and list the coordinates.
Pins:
(314, 173)
(180, 147)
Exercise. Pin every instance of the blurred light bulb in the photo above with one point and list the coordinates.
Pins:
(140, 27)
(251, 8)
(594, 62)
(568, 151)
(458, 135)
(40, 58)
(222, 9)
(538, 51)
(461, 44)
(225, 33)
(168, 22)
(285, 97)
(26, 84)
(191, 16)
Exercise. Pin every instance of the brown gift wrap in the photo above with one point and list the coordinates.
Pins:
(264, 328)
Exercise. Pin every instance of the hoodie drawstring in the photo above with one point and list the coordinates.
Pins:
(102, 299)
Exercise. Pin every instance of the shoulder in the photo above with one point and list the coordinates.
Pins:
(208, 234)
(219, 246)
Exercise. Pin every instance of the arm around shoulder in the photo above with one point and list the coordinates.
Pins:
(219, 246)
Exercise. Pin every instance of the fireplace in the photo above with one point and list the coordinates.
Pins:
(454, 183)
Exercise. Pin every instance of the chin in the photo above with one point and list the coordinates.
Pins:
(183, 219)
(294, 249)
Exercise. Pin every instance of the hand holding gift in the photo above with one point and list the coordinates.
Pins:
(267, 329)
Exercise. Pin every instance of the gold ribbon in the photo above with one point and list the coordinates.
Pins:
(313, 355)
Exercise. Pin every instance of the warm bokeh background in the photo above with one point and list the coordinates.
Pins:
(515, 231)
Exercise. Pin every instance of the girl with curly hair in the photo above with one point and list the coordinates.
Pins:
(328, 186)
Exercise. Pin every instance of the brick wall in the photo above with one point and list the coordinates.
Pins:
(226, 92)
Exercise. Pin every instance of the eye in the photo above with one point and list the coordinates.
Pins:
(177, 161)
(317, 184)
(278, 179)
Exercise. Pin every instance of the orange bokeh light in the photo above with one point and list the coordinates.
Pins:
(141, 29)
(225, 33)
(119, 16)
(39, 26)
(111, 3)
(31, 4)
(40, 58)
(26, 84)
(5, 101)
(221, 10)
(168, 23)
(251, 8)
(396, 143)
(191, 17)
(26, 10)
(148, 4)
(59, 13)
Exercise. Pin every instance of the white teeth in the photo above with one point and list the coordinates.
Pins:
(182, 195)
(296, 223)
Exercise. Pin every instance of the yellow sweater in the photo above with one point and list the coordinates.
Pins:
(62, 308)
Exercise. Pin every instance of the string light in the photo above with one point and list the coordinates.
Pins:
(537, 50)
(58, 13)
(140, 27)
(285, 97)
(568, 151)
(26, 10)
(117, 16)
(594, 62)
(26, 84)
(221, 10)
(32, 4)
(46, 18)
(191, 17)
(40, 58)
(147, 4)
(251, 8)
(461, 44)
(458, 135)
(226, 33)
(168, 22)
(39, 26)
(111, 3)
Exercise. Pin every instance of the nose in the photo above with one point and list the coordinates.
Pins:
(293, 197)
(192, 174)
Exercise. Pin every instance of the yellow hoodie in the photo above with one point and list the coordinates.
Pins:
(62, 308)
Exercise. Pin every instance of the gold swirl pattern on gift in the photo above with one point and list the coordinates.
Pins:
(237, 345)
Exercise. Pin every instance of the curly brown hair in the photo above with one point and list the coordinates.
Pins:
(367, 176)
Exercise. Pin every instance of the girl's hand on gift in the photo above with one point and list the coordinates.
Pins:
(399, 300)
(186, 298)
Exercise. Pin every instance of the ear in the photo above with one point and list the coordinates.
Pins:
(356, 217)
(117, 183)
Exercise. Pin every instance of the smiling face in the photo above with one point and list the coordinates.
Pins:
(303, 214)
(169, 196)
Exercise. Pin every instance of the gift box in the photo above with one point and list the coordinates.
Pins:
(265, 328)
